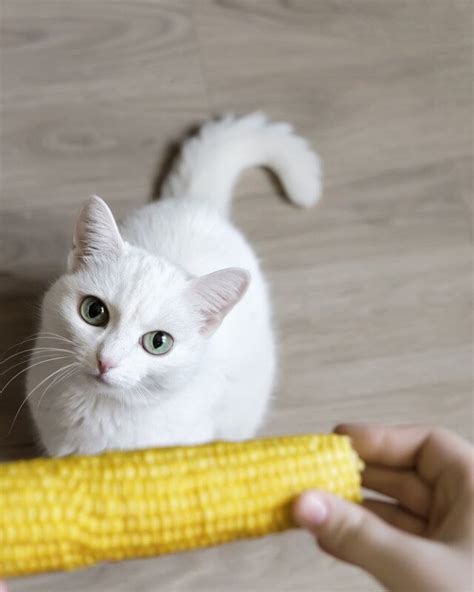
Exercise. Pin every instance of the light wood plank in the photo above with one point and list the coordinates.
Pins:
(372, 289)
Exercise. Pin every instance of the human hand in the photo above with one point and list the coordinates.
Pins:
(423, 541)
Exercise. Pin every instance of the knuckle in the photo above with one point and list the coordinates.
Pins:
(440, 433)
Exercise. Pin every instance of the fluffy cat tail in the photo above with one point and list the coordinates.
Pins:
(211, 162)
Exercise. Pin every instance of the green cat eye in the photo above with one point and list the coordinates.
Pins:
(94, 311)
(157, 342)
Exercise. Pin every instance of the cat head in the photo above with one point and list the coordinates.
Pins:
(138, 322)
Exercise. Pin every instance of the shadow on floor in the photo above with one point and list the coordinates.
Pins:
(19, 299)
(170, 156)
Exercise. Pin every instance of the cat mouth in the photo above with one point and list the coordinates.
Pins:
(107, 384)
(99, 379)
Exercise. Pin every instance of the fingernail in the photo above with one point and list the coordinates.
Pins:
(310, 509)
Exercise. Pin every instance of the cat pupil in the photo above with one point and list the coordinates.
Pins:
(157, 340)
(95, 309)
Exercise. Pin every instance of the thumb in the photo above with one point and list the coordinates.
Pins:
(353, 534)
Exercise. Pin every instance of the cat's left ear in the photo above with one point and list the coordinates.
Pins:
(96, 234)
(214, 295)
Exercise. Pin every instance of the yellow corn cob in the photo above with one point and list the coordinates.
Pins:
(72, 512)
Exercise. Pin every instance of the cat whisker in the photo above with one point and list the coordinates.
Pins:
(30, 337)
(51, 335)
(41, 335)
(37, 349)
(28, 358)
(32, 391)
(68, 372)
(27, 368)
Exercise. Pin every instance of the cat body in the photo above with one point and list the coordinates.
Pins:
(160, 332)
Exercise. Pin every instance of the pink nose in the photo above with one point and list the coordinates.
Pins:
(104, 365)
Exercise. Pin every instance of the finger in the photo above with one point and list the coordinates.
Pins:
(353, 534)
(404, 486)
(386, 446)
(396, 516)
(443, 449)
(426, 449)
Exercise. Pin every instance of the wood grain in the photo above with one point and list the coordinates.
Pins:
(372, 289)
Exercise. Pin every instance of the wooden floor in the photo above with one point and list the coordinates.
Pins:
(372, 289)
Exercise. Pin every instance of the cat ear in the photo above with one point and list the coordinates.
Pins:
(96, 233)
(214, 295)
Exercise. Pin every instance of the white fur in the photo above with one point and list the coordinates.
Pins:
(176, 265)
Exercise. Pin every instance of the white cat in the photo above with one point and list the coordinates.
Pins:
(160, 333)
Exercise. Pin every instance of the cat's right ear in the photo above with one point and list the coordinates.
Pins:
(96, 234)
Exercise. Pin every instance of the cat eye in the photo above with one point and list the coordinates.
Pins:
(94, 311)
(157, 342)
